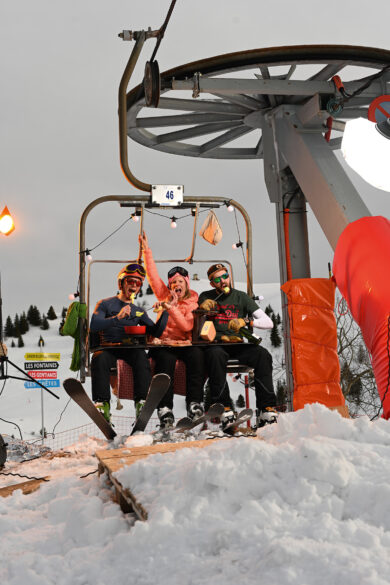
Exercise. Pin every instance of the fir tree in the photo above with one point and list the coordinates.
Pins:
(23, 324)
(276, 340)
(140, 293)
(51, 314)
(240, 402)
(12, 343)
(64, 311)
(30, 312)
(149, 290)
(44, 323)
(17, 331)
(41, 341)
(20, 341)
(34, 316)
(268, 310)
(9, 328)
(281, 392)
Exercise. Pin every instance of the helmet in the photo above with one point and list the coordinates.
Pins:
(134, 269)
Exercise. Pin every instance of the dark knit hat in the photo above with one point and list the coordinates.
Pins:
(215, 268)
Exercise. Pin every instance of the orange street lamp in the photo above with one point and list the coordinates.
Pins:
(7, 225)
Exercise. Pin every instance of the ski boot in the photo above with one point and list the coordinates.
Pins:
(195, 410)
(138, 407)
(266, 417)
(104, 408)
(166, 417)
(228, 417)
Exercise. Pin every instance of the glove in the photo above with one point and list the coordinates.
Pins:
(236, 324)
(231, 339)
(208, 305)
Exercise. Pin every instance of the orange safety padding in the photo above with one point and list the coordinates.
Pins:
(361, 268)
(313, 333)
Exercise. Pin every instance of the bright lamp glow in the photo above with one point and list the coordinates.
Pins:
(367, 152)
(7, 225)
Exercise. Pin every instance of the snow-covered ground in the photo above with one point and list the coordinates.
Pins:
(309, 504)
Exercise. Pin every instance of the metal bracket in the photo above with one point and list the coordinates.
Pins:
(196, 89)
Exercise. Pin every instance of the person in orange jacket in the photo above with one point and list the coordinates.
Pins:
(179, 301)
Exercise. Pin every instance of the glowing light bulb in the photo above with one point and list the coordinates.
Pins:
(230, 208)
(71, 297)
(88, 255)
(367, 152)
(173, 223)
(135, 217)
(234, 246)
(7, 225)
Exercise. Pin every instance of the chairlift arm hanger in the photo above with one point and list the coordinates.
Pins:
(140, 37)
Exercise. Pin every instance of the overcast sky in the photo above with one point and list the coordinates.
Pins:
(61, 63)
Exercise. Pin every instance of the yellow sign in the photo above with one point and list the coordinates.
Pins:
(42, 356)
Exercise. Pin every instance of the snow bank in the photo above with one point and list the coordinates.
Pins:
(308, 503)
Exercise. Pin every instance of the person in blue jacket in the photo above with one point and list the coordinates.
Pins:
(108, 323)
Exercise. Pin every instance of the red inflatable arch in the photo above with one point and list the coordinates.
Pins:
(361, 268)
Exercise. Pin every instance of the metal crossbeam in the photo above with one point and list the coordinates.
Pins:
(230, 86)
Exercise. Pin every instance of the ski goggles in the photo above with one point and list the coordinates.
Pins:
(133, 280)
(131, 269)
(178, 270)
(218, 279)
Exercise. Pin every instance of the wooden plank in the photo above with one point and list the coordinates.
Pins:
(27, 487)
(112, 460)
(127, 453)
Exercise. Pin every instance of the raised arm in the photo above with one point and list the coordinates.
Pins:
(158, 286)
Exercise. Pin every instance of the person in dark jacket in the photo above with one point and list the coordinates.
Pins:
(109, 320)
(233, 308)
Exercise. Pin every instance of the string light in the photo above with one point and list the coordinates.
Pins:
(173, 222)
(88, 255)
(73, 296)
(229, 206)
(237, 245)
(134, 216)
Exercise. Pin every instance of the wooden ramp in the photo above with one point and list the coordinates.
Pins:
(112, 460)
(27, 487)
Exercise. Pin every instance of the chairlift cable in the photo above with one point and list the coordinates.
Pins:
(162, 30)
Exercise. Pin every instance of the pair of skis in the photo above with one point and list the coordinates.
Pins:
(157, 389)
(215, 411)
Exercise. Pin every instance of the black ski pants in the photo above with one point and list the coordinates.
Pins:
(165, 360)
(254, 356)
(103, 361)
